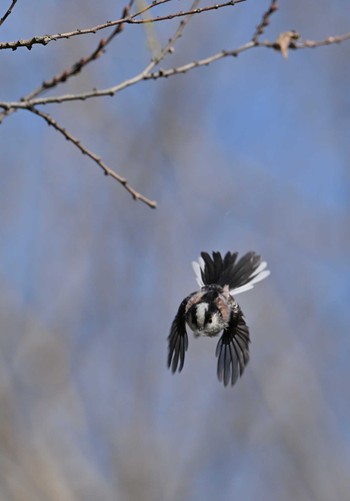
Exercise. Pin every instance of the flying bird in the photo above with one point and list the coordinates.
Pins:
(213, 310)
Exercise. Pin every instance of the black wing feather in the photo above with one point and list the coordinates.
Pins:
(178, 339)
(233, 351)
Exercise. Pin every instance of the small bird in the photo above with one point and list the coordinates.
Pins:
(213, 309)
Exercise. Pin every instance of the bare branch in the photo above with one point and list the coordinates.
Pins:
(130, 19)
(284, 42)
(265, 21)
(165, 73)
(146, 74)
(63, 77)
(75, 68)
(84, 61)
(106, 170)
(8, 12)
(45, 39)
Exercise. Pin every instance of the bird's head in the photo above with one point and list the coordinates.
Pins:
(205, 319)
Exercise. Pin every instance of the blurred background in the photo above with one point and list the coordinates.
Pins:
(246, 154)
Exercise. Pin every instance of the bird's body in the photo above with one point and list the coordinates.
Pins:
(213, 309)
(208, 310)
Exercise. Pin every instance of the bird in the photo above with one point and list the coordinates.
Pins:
(213, 309)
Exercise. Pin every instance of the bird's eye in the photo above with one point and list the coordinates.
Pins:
(210, 320)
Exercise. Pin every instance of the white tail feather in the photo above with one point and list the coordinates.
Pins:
(242, 288)
(261, 276)
(260, 268)
(197, 270)
(254, 280)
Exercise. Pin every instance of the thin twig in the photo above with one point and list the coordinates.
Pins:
(45, 39)
(106, 170)
(200, 10)
(164, 73)
(84, 61)
(201, 62)
(265, 21)
(8, 12)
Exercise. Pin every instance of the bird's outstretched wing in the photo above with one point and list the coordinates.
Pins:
(178, 339)
(233, 351)
(240, 275)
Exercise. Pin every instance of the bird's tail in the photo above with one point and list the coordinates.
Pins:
(240, 275)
